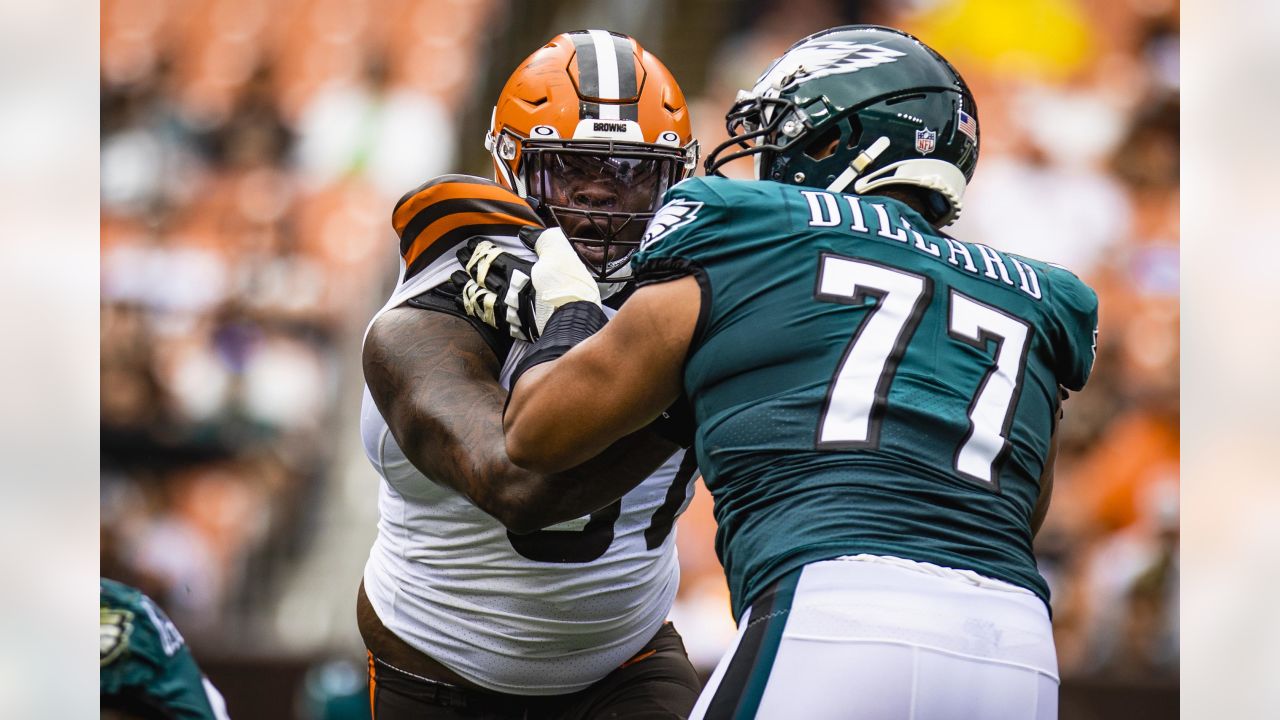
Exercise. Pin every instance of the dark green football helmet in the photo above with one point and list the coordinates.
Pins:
(860, 107)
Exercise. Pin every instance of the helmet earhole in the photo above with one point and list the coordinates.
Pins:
(824, 145)
(855, 131)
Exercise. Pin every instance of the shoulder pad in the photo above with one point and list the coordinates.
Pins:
(1076, 307)
(705, 189)
(447, 210)
(442, 298)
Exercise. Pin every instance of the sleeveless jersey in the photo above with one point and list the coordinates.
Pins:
(145, 664)
(862, 384)
(545, 613)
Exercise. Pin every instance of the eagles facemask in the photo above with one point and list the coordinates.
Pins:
(858, 108)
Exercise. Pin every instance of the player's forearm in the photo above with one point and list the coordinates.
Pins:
(434, 381)
(600, 480)
(568, 410)
(529, 425)
(524, 500)
(553, 424)
(457, 441)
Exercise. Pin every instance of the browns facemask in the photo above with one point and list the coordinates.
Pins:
(593, 129)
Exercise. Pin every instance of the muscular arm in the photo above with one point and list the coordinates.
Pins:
(626, 374)
(435, 381)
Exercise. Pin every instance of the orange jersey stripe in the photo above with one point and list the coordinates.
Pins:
(433, 232)
(448, 191)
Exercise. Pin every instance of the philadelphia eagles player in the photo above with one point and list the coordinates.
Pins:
(147, 672)
(876, 402)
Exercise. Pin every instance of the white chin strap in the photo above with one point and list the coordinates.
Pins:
(858, 164)
(937, 175)
(609, 289)
(625, 275)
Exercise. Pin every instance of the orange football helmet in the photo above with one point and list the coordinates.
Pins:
(593, 129)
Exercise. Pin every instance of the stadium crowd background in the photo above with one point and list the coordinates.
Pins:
(251, 153)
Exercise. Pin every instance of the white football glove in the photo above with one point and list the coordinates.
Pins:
(559, 277)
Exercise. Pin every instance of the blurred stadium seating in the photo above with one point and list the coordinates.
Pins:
(251, 152)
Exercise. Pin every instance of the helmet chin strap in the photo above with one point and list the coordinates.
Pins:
(608, 290)
(613, 287)
(858, 164)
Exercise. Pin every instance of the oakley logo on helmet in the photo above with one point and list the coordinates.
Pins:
(823, 58)
(674, 214)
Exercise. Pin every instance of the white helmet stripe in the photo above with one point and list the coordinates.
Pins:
(607, 66)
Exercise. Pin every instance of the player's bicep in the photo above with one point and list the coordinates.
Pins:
(434, 380)
(616, 382)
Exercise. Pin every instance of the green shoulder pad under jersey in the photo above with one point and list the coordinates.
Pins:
(687, 227)
(1076, 308)
(146, 668)
(864, 384)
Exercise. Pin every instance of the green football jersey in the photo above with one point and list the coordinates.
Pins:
(863, 384)
(146, 668)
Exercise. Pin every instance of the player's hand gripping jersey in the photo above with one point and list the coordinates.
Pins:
(544, 613)
(910, 380)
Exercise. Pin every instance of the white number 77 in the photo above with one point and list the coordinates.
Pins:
(856, 400)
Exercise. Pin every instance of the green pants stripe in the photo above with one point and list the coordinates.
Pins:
(742, 686)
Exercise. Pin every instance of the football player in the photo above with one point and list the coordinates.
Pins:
(876, 402)
(146, 670)
(492, 591)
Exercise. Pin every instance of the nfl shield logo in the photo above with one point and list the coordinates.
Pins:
(925, 140)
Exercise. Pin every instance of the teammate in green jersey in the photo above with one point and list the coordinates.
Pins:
(146, 669)
(876, 402)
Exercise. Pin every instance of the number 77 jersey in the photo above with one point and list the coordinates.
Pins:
(863, 384)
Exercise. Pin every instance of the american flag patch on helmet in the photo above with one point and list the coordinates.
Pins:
(968, 126)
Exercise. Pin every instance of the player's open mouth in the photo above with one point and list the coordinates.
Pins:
(595, 253)
(580, 229)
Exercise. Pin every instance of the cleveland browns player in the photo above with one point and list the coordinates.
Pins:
(492, 591)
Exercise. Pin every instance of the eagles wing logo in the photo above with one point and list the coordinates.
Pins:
(113, 635)
(674, 214)
(823, 58)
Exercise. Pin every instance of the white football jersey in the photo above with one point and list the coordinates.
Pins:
(451, 581)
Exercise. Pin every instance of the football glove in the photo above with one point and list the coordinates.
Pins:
(494, 288)
(511, 294)
(559, 277)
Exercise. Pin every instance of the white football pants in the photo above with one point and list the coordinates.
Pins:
(878, 638)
